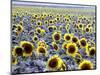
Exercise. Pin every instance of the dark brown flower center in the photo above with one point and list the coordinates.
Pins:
(35, 38)
(50, 21)
(57, 18)
(38, 23)
(19, 51)
(55, 47)
(13, 60)
(74, 39)
(83, 42)
(71, 49)
(80, 26)
(38, 30)
(54, 28)
(87, 29)
(78, 60)
(67, 37)
(35, 15)
(27, 48)
(86, 67)
(19, 28)
(53, 63)
(57, 37)
(50, 29)
(46, 22)
(92, 52)
(65, 46)
(42, 50)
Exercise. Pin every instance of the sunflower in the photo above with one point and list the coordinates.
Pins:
(56, 36)
(46, 22)
(54, 63)
(17, 51)
(21, 23)
(92, 51)
(83, 42)
(54, 27)
(35, 38)
(14, 60)
(38, 30)
(27, 47)
(75, 39)
(51, 21)
(57, 18)
(78, 58)
(42, 18)
(35, 15)
(57, 15)
(71, 49)
(41, 50)
(63, 67)
(80, 26)
(67, 19)
(14, 14)
(67, 28)
(64, 46)
(86, 65)
(67, 37)
(55, 46)
(60, 28)
(19, 29)
(42, 31)
(32, 20)
(88, 46)
(50, 28)
(45, 14)
(42, 43)
(39, 23)
(89, 25)
(88, 29)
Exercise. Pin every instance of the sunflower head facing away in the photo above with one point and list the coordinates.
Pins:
(64, 46)
(55, 46)
(38, 30)
(78, 58)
